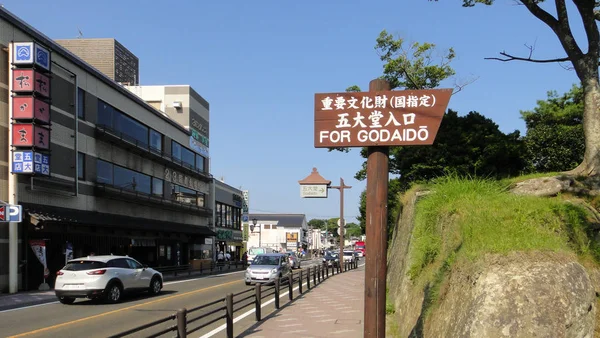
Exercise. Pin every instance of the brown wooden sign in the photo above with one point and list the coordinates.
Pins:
(385, 118)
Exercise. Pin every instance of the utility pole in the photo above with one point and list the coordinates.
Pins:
(341, 188)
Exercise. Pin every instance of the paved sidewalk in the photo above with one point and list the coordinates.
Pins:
(332, 309)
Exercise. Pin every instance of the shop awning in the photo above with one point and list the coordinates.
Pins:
(49, 215)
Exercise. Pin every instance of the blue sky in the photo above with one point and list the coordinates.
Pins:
(259, 64)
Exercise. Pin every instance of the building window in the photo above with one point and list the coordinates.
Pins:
(80, 166)
(201, 199)
(80, 103)
(157, 186)
(228, 220)
(135, 131)
(104, 172)
(105, 114)
(267, 226)
(176, 150)
(218, 215)
(155, 141)
(131, 180)
(129, 129)
(184, 195)
(273, 226)
(200, 163)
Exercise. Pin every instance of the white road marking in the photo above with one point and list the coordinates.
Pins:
(28, 307)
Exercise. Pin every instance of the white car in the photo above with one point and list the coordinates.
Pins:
(106, 277)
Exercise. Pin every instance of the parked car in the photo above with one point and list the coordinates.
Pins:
(266, 267)
(293, 259)
(106, 277)
(330, 259)
(359, 253)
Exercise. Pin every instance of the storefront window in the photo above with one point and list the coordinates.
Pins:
(228, 216)
(219, 215)
(202, 251)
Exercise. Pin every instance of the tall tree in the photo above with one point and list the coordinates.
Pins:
(316, 223)
(554, 139)
(585, 63)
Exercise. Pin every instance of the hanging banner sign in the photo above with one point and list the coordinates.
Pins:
(68, 252)
(28, 107)
(39, 248)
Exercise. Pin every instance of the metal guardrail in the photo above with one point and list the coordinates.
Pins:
(233, 303)
(208, 268)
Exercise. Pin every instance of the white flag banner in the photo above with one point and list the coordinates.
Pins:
(39, 248)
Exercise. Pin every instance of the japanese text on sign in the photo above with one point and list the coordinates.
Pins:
(379, 118)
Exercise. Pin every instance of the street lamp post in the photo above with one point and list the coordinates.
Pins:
(252, 226)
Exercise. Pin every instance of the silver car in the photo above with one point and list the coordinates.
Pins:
(293, 259)
(106, 277)
(266, 267)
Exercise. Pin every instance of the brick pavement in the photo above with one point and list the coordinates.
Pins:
(332, 309)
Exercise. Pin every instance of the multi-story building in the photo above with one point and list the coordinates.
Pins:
(184, 105)
(108, 56)
(95, 168)
(278, 231)
(228, 219)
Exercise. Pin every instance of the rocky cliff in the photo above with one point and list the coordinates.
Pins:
(528, 293)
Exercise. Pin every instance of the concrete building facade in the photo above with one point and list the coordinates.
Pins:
(122, 180)
(108, 56)
(228, 219)
(279, 231)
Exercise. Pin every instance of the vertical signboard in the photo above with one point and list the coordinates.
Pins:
(30, 113)
(199, 138)
(245, 214)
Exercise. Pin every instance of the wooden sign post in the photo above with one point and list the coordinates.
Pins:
(378, 119)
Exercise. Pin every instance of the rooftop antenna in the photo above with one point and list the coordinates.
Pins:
(80, 33)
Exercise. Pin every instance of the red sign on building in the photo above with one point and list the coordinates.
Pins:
(23, 80)
(30, 135)
(28, 107)
(28, 80)
(2, 213)
(42, 84)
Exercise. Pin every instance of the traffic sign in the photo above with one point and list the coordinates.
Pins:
(11, 213)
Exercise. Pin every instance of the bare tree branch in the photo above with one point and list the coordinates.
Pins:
(588, 17)
(458, 86)
(507, 57)
(564, 34)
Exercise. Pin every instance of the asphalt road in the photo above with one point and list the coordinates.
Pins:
(86, 318)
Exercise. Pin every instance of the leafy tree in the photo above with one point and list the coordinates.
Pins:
(317, 223)
(585, 63)
(554, 139)
(467, 145)
(394, 190)
(353, 230)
